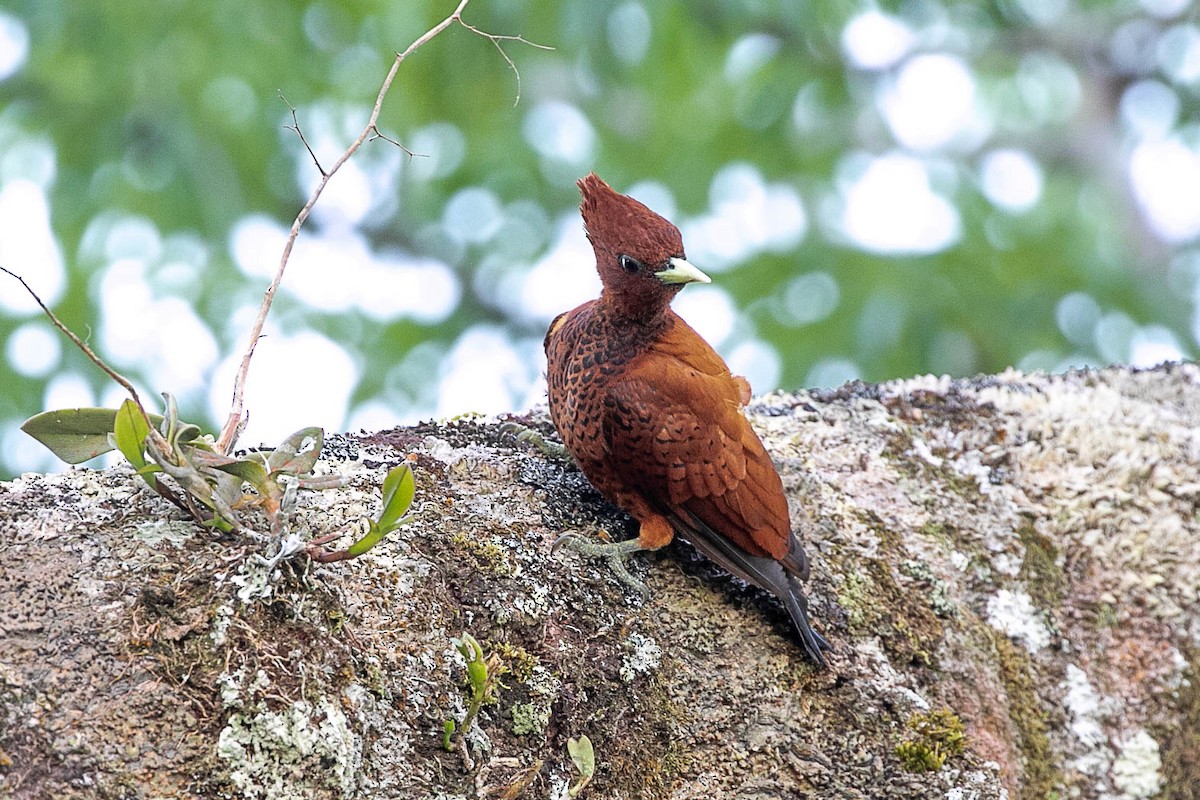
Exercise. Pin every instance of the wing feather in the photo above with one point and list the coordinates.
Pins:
(682, 440)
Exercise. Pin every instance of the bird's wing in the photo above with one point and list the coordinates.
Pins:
(688, 450)
(678, 436)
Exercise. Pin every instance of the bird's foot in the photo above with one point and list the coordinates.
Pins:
(614, 553)
(527, 435)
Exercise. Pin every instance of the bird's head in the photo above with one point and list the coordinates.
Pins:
(639, 255)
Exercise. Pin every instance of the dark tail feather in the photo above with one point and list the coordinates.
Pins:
(797, 605)
(762, 571)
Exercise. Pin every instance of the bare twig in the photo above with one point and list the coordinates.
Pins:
(229, 431)
(82, 345)
(295, 126)
(376, 134)
(496, 39)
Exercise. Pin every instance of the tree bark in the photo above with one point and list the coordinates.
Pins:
(1013, 557)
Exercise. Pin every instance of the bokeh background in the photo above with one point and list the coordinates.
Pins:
(878, 190)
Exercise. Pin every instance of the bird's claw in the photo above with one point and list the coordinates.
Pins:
(614, 553)
(527, 435)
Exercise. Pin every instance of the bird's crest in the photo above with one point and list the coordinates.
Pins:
(616, 223)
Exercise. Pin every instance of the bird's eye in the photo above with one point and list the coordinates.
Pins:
(629, 263)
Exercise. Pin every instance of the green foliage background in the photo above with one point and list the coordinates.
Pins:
(136, 97)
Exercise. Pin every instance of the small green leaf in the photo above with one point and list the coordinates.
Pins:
(187, 432)
(74, 434)
(251, 472)
(582, 755)
(447, 731)
(584, 760)
(399, 487)
(477, 674)
(372, 537)
(468, 647)
(129, 431)
(298, 454)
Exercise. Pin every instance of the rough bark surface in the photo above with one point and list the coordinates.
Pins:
(1014, 555)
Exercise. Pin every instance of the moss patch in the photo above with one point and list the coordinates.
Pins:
(936, 736)
(491, 557)
(1042, 773)
(1181, 747)
(1039, 568)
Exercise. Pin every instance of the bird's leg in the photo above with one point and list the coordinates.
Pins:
(530, 436)
(653, 533)
(614, 553)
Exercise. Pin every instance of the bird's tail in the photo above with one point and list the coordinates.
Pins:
(762, 571)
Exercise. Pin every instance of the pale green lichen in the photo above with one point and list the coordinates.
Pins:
(644, 656)
(534, 716)
(171, 531)
(530, 718)
(280, 755)
(222, 619)
(939, 590)
(1136, 771)
(853, 595)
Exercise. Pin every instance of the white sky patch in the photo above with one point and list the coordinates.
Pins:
(1011, 180)
(294, 382)
(1049, 90)
(68, 390)
(1077, 314)
(829, 373)
(337, 272)
(748, 55)
(485, 372)
(758, 362)
(708, 309)
(162, 336)
(347, 197)
(874, 40)
(562, 278)
(256, 242)
(1113, 334)
(931, 102)
(375, 415)
(365, 187)
(1043, 12)
(1154, 345)
(442, 148)
(28, 248)
(629, 32)
(32, 159)
(14, 45)
(34, 349)
(1164, 9)
(655, 196)
(472, 215)
(1150, 109)
(131, 237)
(1178, 53)
(806, 299)
(1014, 615)
(560, 131)
(890, 207)
(23, 453)
(1165, 174)
(746, 216)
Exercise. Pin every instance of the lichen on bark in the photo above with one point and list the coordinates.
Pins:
(1016, 550)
